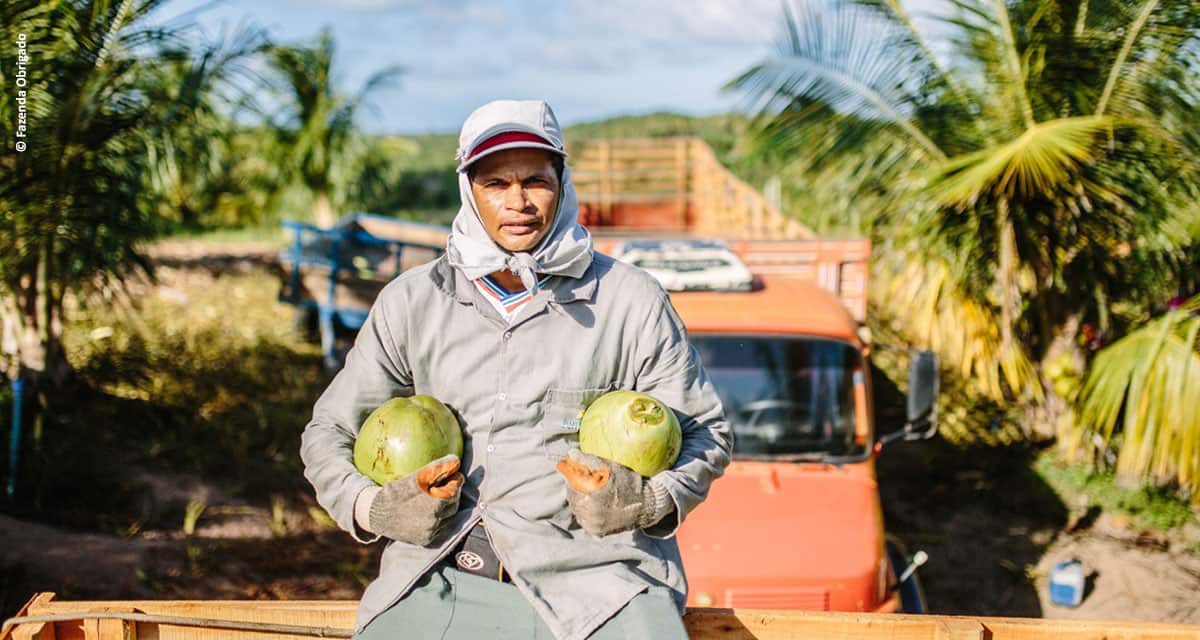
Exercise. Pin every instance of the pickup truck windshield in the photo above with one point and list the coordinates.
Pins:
(786, 397)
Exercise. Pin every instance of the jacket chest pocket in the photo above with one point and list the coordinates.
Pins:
(561, 416)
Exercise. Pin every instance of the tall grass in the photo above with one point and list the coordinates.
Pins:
(201, 376)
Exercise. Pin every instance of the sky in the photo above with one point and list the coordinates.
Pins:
(590, 59)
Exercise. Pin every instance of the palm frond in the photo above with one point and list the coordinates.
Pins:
(839, 57)
(939, 315)
(1152, 74)
(985, 46)
(1131, 36)
(914, 38)
(344, 116)
(1012, 58)
(1037, 162)
(1144, 390)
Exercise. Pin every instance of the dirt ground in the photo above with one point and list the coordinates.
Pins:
(236, 551)
(993, 531)
(991, 527)
(1131, 576)
(983, 560)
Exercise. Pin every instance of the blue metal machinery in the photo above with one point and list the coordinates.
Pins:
(357, 256)
(14, 447)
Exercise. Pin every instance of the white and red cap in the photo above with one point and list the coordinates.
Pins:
(508, 124)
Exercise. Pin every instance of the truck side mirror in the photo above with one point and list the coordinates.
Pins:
(922, 396)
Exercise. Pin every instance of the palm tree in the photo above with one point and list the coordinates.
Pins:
(74, 203)
(1039, 173)
(317, 126)
(199, 171)
(1148, 383)
(70, 200)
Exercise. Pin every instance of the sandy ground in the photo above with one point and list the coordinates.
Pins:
(993, 531)
(1131, 576)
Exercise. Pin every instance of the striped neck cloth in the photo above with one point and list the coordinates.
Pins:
(504, 300)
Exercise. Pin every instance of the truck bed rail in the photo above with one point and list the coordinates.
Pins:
(284, 620)
(672, 183)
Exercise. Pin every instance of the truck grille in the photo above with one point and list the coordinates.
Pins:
(806, 599)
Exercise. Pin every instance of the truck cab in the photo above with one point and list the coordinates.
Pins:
(796, 521)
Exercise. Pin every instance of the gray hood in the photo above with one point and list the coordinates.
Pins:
(566, 250)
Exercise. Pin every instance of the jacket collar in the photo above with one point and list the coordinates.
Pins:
(561, 290)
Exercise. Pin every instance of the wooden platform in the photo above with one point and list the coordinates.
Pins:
(335, 619)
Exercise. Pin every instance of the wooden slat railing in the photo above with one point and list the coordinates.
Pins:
(702, 624)
(707, 198)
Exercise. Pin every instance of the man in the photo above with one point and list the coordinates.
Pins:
(517, 328)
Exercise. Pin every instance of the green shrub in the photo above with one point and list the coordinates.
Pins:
(1150, 507)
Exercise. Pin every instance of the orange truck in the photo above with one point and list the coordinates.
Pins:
(776, 315)
(796, 522)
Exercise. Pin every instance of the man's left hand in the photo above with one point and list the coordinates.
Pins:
(607, 497)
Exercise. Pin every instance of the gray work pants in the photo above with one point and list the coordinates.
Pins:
(448, 604)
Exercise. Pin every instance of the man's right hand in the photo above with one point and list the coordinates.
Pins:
(416, 508)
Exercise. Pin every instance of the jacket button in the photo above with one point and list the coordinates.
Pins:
(507, 335)
(502, 396)
(491, 447)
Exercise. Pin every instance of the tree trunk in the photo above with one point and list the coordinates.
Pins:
(10, 336)
(323, 210)
(1006, 275)
(1061, 372)
(38, 326)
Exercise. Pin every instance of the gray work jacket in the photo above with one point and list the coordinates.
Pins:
(519, 389)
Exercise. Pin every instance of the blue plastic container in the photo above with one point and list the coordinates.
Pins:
(1067, 583)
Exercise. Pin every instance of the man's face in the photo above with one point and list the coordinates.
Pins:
(516, 191)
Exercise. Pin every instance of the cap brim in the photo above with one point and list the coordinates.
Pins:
(510, 145)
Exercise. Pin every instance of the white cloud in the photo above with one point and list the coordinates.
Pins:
(389, 4)
(591, 57)
(690, 22)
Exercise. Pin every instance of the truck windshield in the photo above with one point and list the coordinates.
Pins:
(787, 397)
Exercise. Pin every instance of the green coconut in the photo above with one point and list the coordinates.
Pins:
(633, 429)
(403, 435)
